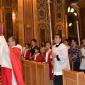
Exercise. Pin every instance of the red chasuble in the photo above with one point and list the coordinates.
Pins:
(15, 56)
(6, 77)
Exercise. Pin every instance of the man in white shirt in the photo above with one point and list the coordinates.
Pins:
(60, 59)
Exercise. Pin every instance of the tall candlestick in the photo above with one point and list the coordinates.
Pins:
(50, 24)
(78, 33)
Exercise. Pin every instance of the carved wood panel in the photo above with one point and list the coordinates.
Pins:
(43, 18)
(60, 19)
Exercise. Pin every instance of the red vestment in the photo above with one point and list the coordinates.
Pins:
(15, 56)
(38, 57)
(6, 77)
(27, 54)
(5, 63)
(48, 60)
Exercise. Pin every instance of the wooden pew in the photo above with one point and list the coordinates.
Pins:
(81, 79)
(46, 74)
(70, 77)
(33, 72)
(43, 74)
(27, 72)
(36, 73)
(73, 78)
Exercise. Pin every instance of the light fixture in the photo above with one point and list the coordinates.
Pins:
(75, 13)
(72, 10)
(13, 15)
(70, 24)
(68, 9)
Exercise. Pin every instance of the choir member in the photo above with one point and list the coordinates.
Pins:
(60, 59)
(37, 56)
(26, 52)
(82, 65)
(66, 42)
(48, 60)
(42, 48)
(33, 46)
(75, 55)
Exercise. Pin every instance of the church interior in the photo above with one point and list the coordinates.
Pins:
(23, 17)
(41, 20)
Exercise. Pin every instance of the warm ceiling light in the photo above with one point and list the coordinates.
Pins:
(13, 15)
(75, 14)
(68, 9)
(72, 10)
(70, 24)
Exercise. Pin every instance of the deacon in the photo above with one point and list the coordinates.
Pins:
(60, 59)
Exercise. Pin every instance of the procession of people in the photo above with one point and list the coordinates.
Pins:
(61, 55)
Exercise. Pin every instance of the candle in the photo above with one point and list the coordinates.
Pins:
(78, 33)
(50, 22)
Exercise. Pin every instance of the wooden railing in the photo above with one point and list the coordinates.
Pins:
(81, 80)
(73, 78)
(36, 73)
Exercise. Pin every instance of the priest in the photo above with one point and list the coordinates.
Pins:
(16, 57)
(10, 61)
(5, 62)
